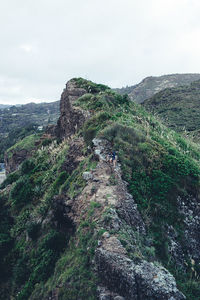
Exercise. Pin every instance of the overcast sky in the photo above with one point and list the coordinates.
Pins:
(44, 43)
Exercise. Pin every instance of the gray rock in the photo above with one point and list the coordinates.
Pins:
(134, 281)
(87, 176)
(104, 297)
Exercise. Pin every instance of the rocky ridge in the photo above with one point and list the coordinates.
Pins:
(121, 277)
(94, 201)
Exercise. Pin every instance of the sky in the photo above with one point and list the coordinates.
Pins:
(45, 43)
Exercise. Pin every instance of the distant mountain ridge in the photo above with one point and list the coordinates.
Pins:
(16, 116)
(154, 84)
(3, 106)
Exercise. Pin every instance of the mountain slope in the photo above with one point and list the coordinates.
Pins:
(19, 121)
(76, 227)
(179, 108)
(152, 85)
(31, 113)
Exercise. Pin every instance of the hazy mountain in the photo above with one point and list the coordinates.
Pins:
(3, 106)
(152, 85)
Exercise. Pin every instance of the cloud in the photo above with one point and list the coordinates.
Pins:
(26, 48)
(45, 43)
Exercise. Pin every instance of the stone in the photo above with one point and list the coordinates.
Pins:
(71, 118)
(87, 176)
(104, 297)
(106, 235)
(136, 279)
(12, 163)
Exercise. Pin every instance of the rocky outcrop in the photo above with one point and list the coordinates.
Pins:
(131, 280)
(121, 278)
(190, 209)
(135, 281)
(14, 159)
(71, 118)
(74, 155)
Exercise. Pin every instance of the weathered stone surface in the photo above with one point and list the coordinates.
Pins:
(135, 281)
(71, 118)
(87, 176)
(74, 155)
(13, 162)
(189, 207)
(126, 206)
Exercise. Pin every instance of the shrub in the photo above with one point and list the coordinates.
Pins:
(32, 230)
(89, 134)
(27, 166)
(12, 177)
(21, 193)
(60, 180)
(21, 271)
(46, 142)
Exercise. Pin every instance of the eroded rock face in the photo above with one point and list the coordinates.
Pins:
(13, 162)
(74, 155)
(190, 209)
(71, 118)
(135, 281)
(120, 277)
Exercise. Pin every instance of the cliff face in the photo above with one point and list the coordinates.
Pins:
(71, 118)
(82, 228)
(13, 162)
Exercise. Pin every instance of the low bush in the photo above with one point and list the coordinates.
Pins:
(21, 193)
(12, 177)
(27, 166)
(33, 230)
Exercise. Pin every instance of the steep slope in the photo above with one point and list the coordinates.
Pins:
(179, 108)
(152, 85)
(74, 226)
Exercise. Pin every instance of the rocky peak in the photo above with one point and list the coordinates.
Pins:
(71, 118)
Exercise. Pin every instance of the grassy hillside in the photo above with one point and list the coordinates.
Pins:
(18, 121)
(42, 251)
(179, 108)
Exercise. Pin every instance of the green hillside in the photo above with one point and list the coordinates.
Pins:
(179, 108)
(17, 122)
(57, 226)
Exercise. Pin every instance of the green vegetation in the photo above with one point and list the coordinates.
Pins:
(151, 85)
(19, 121)
(28, 143)
(21, 193)
(14, 135)
(90, 86)
(40, 247)
(179, 108)
(158, 164)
